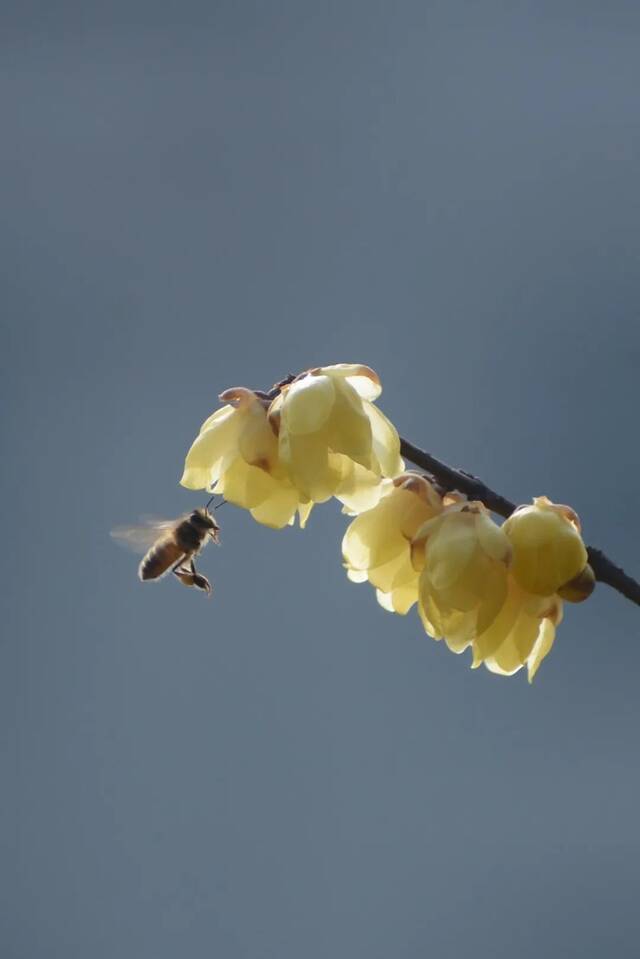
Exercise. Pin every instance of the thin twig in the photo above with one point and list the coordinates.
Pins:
(450, 478)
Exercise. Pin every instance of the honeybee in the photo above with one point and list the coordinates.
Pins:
(170, 545)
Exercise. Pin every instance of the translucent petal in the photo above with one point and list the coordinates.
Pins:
(512, 654)
(385, 600)
(385, 441)
(304, 509)
(423, 489)
(494, 666)
(349, 426)
(397, 572)
(429, 626)
(358, 575)
(307, 459)
(359, 489)
(488, 640)
(494, 596)
(257, 443)
(369, 541)
(431, 612)
(249, 486)
(459, 632)
(217, 416)
(308, 404)
(492, 539)
(399, 600)
(278, 509)
(363, 379)
(542, 647)
(408, 511)
(211, 446)
(450, 548)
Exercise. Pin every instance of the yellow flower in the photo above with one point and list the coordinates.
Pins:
(548, 551)
(332, 438)
(463, 558)
(236, 455)
(522, 633)
(377, 544)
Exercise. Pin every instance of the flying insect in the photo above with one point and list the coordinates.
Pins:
(171, 545)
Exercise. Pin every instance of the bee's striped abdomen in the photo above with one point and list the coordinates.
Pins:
(160, 558)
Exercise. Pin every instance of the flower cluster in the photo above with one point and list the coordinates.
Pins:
(497, 590)
(320, 436)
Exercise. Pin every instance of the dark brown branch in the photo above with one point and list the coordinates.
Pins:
(605, 570)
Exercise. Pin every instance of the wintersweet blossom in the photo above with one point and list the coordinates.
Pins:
(470, 595)
(331, 437)
(236, 454)
(522, 633)
(548, 551)
(377, 544)
(463, 557)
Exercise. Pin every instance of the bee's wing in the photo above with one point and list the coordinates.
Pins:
(141, 538)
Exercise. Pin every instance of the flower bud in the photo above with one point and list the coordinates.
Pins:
(548, 551)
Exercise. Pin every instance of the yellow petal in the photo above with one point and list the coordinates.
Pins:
(399, 600)
(385, 600)
(248, 486)
(349, 426)
(210, 448)
(513, 653)
(407, 511)
(257, 442)
(278, 509)
(459, 633)
(547, 548)
(450, 549)
(308, 404)
(307, 460)
(429, 626)
(385, 441)
(363, 379)
(396, 572)
(492, 538)
(220, 414)
(542, 647)
(487, 642)
(359, 489)
(304, 509)
(358, 575)
(368, 543)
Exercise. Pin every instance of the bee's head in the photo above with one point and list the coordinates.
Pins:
(203, 519)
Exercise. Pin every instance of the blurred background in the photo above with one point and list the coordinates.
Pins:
(200, 195)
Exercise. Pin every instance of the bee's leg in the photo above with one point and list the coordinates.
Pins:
(191, 577)
(200, 581)
(181, 572)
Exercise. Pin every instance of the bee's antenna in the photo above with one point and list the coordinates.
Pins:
(221, 503)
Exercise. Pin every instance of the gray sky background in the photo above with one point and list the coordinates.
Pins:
(204, 195)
